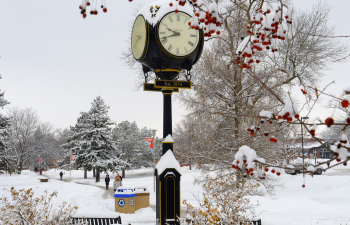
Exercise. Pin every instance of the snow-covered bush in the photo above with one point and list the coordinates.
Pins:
(225, 201)
(24, 208)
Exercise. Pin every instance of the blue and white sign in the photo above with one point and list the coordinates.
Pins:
(121, 202)
(132, 202)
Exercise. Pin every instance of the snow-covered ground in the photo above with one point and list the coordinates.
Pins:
(324, 201)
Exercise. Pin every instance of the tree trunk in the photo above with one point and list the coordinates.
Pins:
(123, 173)
(93, 172)
(98, 174)
(85, 173)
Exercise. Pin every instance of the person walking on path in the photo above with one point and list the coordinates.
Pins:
(328, 164)
(41, 172)
(107, 181)
(117, 182)
(61, 175)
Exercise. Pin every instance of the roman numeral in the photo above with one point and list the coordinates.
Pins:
(171, 20)
(164, 40)
(178, 17)
(193, 35)
(190, 43)
(185, 49)
(185, 20)
(177, 50)
(161, 32)
(170, 47)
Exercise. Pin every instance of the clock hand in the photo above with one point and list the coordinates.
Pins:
(139, 37)
(175, 32)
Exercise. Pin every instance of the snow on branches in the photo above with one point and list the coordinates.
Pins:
(247, 156)
(24, 208)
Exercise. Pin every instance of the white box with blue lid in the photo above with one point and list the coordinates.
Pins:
(125, 200)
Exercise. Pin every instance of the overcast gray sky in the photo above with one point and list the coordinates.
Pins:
(55, 62)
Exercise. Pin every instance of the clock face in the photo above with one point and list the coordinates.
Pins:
(138, 37)
(176, 36)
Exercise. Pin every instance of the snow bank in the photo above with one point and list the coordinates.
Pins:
(168, 160)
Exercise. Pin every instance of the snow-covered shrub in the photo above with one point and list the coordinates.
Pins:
(24, 208)
(225, 201)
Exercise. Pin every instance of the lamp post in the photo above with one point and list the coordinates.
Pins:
(302, 140)
(154, 158)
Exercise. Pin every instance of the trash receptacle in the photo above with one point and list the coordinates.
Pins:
(141, 197)
(125, 200)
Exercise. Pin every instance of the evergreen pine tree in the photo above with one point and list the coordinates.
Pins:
(92, 141)
(6, 161)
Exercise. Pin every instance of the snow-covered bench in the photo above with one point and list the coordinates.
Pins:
(98, 221)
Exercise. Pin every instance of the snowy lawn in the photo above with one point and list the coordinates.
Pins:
(324, 201)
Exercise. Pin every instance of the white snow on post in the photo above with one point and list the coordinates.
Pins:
(249, 154)
(168, 138)
(266, 114)
(163, 9)
(168, 160)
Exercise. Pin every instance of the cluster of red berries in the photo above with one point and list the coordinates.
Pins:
(287, 117)
(329, 121)
(273, 139)
(273, 171)
(348, 120)
(304, 92)
(345, 103)
(262, 34)
(312, 132)
(86, 3)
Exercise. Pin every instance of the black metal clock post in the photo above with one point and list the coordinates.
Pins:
(166, 49)
(167, 119)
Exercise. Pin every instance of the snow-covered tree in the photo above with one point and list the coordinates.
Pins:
(6, 160)
(92, 141)
(130, 140)
(23, 125)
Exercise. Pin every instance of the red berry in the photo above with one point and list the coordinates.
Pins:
(289, 119)
(278, 173)
(279, 117)
(270, 122)
(348, 120)
(88, 3)
(296, 116)
(171, 4)
(266, 169)
(251, 174)
(176, 11)
(130, 0)
(251, 133)
(105, 10)
(84, 15)
(273, 171)
(266, 134)
(244, 161)
(251, 169)
(218, 32)
(338, 160)
(237, 161)
(345, 164)
(303, 185)
(345, 103)
(329, 122)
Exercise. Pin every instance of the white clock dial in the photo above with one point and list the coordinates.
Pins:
(138, 37)
(176, 36)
